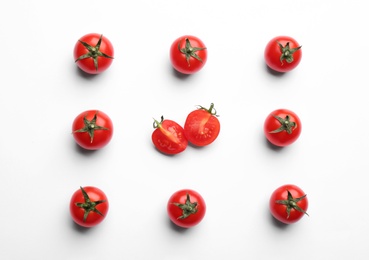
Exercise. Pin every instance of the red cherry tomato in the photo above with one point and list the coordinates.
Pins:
(282, 127)
(168, 137)
(93, 53)
(288, 204)
(88, 206)
(186, 208)
(188, 54)
(202, 126)
(92, 129)
(282, 53)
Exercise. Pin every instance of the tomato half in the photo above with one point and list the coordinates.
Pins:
(288, 204)
(202, 126)
(186, 208)
(92, 129)
(93, 53)
(282, 127)
(188, 54)
(88, 206)
(168, 137)
(282, 53)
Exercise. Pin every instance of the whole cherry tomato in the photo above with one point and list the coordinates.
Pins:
(188, 54)
(202, 126)
(168, 137)
(186, 208)
(288, 204)
(88, 206)
(282, 53)
(93, 53)
(282, 127)
(92, 129)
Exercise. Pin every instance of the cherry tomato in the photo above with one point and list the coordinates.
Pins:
(92, 129)
(93, 53)
(288, 204)
(188, 54)
(282, 53)
(168, 137)
(88, 206)
(202, 126)
(186, 208)
(282, 127)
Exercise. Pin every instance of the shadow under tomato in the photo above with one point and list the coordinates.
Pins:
(272, 146)
(275, 222)
(273, 72)
(180, 75)
(83, 151)
(85, 75)
(176, 228)
(79, 228)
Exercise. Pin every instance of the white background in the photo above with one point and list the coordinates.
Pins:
(42, 91)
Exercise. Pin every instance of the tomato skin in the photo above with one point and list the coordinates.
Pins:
(87, 64)
(178, 59)
(101, 136)
(202, 126)
(175, 212)
(168, 137)
(93, 218)
(273, 52)
(279, 211)
(282, 138)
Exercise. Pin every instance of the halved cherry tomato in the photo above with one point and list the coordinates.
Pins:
(168, 137)
(202, 126)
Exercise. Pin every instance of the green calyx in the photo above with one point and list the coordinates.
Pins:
(291, 203)
(93, 52)
(188, 208)
(90, 127)
(88, 205)
(211, 109)
(157, 124)
(286, 125)
(190, 51)
(287, 52)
